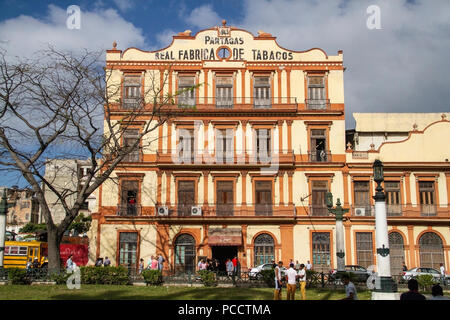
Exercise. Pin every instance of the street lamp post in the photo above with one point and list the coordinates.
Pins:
(339, 214)
(385, 287)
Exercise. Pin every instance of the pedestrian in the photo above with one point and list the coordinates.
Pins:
(308, 265)
(36, 263)
(141, 265)
(154, 263)
(437, 293)
(278, 285)
(216, 265)
(297, 265)
(99, 262)
(199, 265)
(107, 262)
(161, 261)
(350, 289)
(149, 262)
(235, 261)
(404, 268)
(274, 265)
(69, 263)
(238, 268)
(230, 267)
(302, 280)
(291, 277)
(442, 270)
(29, 264)
(413, 293)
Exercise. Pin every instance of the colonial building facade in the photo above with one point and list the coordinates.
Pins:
(242, 166)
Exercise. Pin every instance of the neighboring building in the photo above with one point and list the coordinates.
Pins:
(246, 171)
(66, 175)
(24, 209)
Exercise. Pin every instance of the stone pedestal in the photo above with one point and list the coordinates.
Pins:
(385, 295)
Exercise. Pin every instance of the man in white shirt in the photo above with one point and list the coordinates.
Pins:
(302, 280)
(277, 292)
(442, 270)
(291, 276)
(308, 265)
(350, 289)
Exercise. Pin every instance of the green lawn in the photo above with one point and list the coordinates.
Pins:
(55, 292)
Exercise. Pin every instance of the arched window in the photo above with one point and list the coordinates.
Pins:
(321, 258)
(397, 252)
(264, 249)
(431, 250)
(185, 253)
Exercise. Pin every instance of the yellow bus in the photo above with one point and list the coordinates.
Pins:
(17, 253)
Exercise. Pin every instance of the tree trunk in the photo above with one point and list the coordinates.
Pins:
(54, 256)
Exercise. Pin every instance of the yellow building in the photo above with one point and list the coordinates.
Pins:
(243, 166)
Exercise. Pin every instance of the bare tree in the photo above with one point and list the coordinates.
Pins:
(61, 105)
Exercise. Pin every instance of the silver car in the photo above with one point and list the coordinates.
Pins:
(415, 272)
(255, 273)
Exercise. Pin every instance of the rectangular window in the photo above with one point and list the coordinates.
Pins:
(225, 198)
(186, 145)
(321, 257)
(224, 145)
(427, 198)
(362, 198)
(261, 92)
(186, 197)
(319, 152)
(316, 93)
(224, 92)
(128, 249)
(130, 136)
(263, 198)
(186, 97)
(129, 205)
(393, 204)
(263, 145)
(364, 249)
(131, 92)
(319, 190)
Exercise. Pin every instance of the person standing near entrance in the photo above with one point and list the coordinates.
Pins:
(291, 277)
(302, 280)
(308, 265)
(230, 267)
(442, 270)
(404, 268)
(161, 262)
(277, 293)
(234, 261)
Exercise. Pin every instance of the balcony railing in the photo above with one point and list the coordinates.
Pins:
(362, 210)
(320, 156)
(224, 210)
(262, 103)
(394, 210)
(318, 104)
(236, 157)
(129, 210)
(135, 156)
(131, 103)
(318, 210)
(224, 103)
(428, 210)
(239, 103)
(186, 102)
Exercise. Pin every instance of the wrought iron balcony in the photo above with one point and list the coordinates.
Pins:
(320, 156)
(317, 104)
(224, 210)
(319, 210)
(428, 210)
(129, 210)
(393, 210)
(131, 103)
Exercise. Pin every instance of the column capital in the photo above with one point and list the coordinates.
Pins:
(244, 173)
(244, 122)
(206, 172)
(280, 122)
(289, 122)
(206, 122)
(290, 173)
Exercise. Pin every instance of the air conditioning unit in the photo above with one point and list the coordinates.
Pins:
(163, 211)
(196, 211)
(360, 211)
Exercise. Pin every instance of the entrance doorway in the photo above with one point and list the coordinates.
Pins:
(222, 253)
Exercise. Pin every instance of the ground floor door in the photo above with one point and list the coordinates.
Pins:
(222, 253)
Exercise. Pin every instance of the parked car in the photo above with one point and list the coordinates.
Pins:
(255, 273)
(359, 273)
(415, 272)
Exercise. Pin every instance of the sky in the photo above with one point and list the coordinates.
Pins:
(401, 67)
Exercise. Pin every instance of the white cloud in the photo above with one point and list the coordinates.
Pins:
(24, 35)
(124, 5)
(203, 17)
(401, 68)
